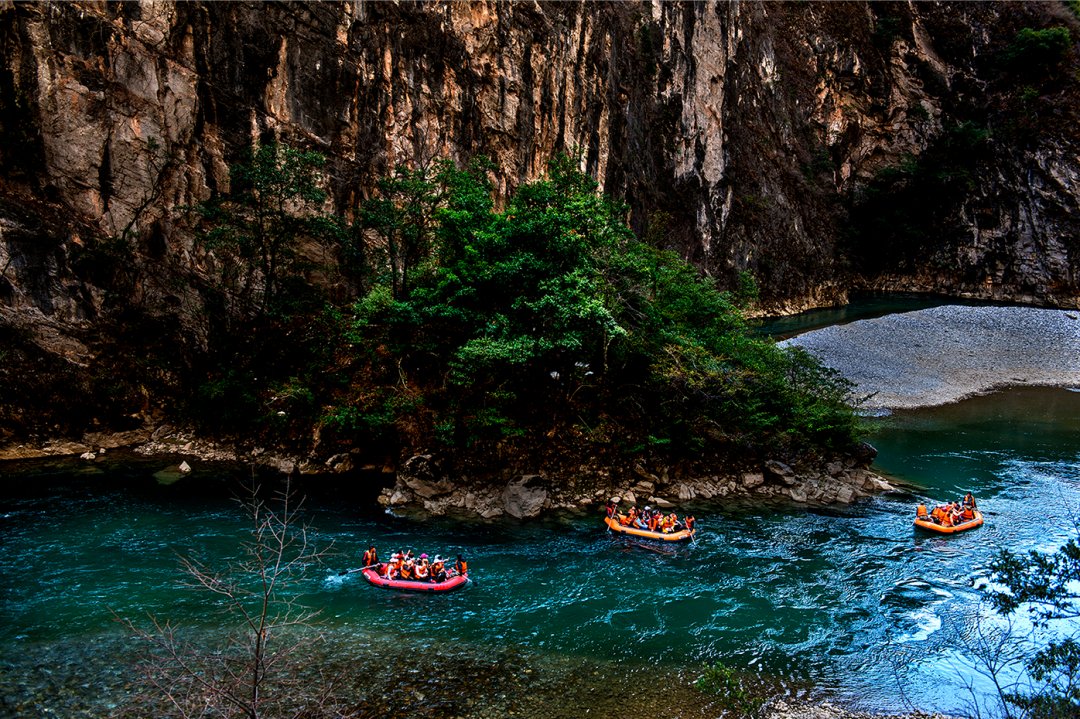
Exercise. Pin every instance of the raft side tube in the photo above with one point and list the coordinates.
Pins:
(681, 535)
(932, 526)
(410, 585)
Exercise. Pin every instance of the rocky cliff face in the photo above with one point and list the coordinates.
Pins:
(752, 137)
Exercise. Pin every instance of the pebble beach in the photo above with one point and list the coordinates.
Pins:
(943, 354)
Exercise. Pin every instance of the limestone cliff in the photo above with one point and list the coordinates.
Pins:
(749, 136)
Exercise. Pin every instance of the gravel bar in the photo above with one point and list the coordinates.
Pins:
(944, 354)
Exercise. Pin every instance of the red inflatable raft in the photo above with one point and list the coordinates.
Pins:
(375, 576)
(682, 534)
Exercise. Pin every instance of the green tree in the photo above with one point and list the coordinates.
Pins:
(255, 229)
(1045, 585)
(552, 313)
(1038, 53)
(406, 215)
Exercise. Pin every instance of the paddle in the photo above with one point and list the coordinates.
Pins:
(358, 569)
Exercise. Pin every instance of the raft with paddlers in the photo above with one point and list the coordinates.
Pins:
(678, 536)
(376, 575)
(649, 523)
(950, 518)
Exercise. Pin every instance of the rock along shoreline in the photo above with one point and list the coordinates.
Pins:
(422, 484)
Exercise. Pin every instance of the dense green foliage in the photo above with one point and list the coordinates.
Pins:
(254, 231)
(267, 336)
(546, 318)
(1038, 53)
(551, 314)
(1045, 584)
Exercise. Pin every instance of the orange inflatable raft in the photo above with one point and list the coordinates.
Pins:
(925, 522)
(681, 535)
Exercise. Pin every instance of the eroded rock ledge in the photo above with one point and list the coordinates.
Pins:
(423, 484)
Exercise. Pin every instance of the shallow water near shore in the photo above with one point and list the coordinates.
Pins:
(849, 602)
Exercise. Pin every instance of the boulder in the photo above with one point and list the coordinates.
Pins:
(340, 463)
(752, 479)
(426, 488)
(835, 469)
(645, 474)
(845, 494)
(865, 454)
(660, 502)
(435, 508)
(525, 497)
(780, 473)
(184, 467)
(420, 466)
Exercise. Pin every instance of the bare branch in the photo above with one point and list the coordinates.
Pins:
(249, 671)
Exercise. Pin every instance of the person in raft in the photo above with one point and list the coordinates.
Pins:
(651, 519)
(371, 557)
(951, 514)
(404, 566)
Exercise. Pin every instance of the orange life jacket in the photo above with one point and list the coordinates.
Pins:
(969, 513)
(370, 557)
(462, 567)
(406, 571)
(920, 512)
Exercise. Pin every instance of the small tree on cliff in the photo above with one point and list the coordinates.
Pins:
(255, 229)
(408, 212)
(255, 670)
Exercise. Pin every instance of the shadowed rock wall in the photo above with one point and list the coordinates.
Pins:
(745, 135)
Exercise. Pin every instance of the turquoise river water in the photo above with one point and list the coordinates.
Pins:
(848, 603)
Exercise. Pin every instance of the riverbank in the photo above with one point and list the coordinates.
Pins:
(422, 482)
(943, 354)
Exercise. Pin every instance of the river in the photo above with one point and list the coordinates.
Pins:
(848, 603)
